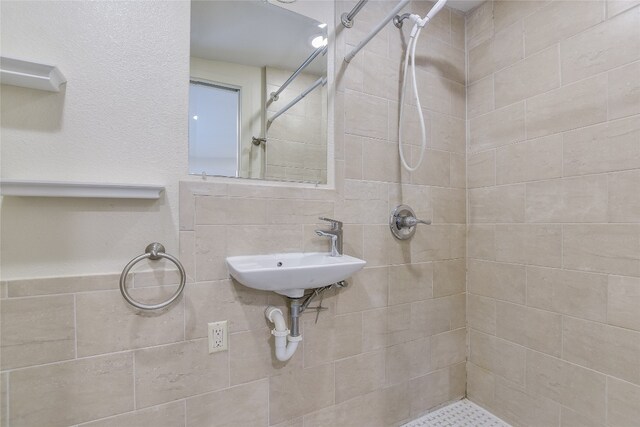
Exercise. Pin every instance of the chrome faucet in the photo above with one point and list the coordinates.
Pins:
(335, 234)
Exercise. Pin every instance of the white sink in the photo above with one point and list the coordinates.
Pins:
(290, 274)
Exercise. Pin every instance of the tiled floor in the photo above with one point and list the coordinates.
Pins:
(463, 413)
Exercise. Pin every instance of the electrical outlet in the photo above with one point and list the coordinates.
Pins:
(218, 337)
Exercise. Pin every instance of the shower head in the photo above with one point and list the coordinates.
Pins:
(435, 9)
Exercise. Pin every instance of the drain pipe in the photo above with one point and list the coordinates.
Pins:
(285, 350)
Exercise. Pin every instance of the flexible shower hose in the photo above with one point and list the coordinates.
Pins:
(418, 25)
(411, 52)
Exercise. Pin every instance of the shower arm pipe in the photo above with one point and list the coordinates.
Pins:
(305, 64)
(320, 82)
(376, 30)
(347, 18)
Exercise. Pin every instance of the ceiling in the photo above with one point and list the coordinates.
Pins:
(253, 33)
(257, 33)
(464, 5)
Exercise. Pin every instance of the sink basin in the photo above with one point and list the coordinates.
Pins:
(290, 274)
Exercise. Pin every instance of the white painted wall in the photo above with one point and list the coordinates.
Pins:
(122, 118)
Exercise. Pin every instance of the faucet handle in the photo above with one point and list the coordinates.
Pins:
(411, 221)
(335, 224)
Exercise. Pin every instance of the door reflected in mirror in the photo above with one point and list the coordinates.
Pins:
(258, 92)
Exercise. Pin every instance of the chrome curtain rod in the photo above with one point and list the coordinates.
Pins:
(305, 64)
(321, 81)
(347, 18)
(376, 30)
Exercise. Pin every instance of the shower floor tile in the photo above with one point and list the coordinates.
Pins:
(463, 413)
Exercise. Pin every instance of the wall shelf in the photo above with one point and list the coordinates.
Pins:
(78, 189)
(16, 72)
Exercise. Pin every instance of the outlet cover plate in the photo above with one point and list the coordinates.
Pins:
(218, 336)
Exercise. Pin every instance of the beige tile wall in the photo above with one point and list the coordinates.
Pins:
(297, 140)
(554, 213)
(390, 347)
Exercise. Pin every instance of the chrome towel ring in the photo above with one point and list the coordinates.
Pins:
(153, 251)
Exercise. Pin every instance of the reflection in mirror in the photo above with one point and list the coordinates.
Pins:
(258, 93)
(214, 115)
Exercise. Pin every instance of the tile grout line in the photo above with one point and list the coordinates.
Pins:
(562, 355)
(606, 400)
(133, 371)
(631, 117)
(562, 260)
(131, 412)
(8, 399)
(592, 76)
(525, 348)
(607, 90)
(75, 327)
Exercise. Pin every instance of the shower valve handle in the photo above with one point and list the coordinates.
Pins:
(410, 221)
(403, 221)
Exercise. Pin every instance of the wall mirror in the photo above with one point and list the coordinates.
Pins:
(258, 105)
